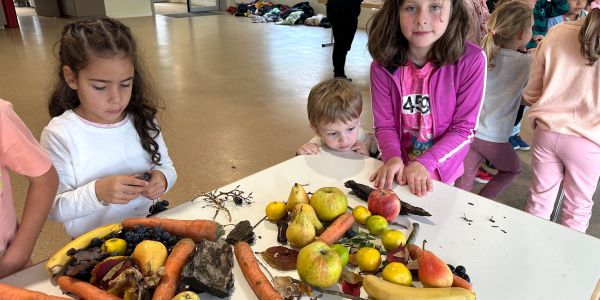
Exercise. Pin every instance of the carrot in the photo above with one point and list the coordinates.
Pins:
(8, 291)
(257, 280)
(179, 255)
(337, 229)
(197, 230)
(83, 289)
(459, 282)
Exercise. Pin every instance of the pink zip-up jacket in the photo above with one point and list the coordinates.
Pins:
(456, 94)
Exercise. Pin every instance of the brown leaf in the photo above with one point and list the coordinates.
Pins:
(399, 254)
(281, 258)
(287, 288)
(351, 277)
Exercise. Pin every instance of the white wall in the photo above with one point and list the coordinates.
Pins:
(128, 8)
(319, 8)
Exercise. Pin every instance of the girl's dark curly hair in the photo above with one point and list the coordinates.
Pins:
(105, 37)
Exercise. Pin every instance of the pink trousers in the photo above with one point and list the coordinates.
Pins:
(574, 161)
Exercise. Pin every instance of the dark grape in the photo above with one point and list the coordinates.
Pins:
(351, 233)
(146, 176)
(172, 240)
(460, 270)
(112, 235)
(452, 269)
(71, 252)
(96, 242)
(129, 251)
(238, 200)
(465, 277)
(164, 202)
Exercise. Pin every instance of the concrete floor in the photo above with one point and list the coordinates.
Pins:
(235, 94)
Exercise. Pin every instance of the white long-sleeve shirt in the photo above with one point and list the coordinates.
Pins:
(82, 154)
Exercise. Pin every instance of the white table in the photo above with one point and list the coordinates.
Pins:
(534, 259)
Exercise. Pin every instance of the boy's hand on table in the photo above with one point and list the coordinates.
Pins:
(418, 179)
(360, 148)
(385, 175)
(119, 189)
(308, 149)
(156, 186)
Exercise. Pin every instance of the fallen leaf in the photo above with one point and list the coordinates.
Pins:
(281, 258)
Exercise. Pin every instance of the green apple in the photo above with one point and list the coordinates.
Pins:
(319, 265)
(329, 203)
(343, 252)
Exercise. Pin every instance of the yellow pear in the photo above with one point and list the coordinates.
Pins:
(149, 256)
(301, 231)
(311, 214)
(297, 195)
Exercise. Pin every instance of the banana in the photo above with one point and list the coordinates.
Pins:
(60, 259)
(380, 289)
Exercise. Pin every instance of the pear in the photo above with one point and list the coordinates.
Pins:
(297, 195)
(312, 215)
(301, 231)
(149, 256)
(433, 272)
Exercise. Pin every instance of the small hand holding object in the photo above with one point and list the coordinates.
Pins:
(156, 186)
(385, 174)
(308, 149)
(418, 179)
(119, 189)
(360, 148)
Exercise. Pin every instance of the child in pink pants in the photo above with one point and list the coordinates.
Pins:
(564, 90)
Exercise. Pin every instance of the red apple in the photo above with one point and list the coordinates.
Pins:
(319, 265)
(384, 203)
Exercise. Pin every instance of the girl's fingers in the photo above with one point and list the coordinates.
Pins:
(429, 184)
(389, 180)
(132, 181)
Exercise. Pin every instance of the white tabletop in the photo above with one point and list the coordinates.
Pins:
(524, 257)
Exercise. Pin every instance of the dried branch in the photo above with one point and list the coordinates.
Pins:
(218, 199)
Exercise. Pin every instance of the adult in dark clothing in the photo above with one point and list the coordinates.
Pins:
(343, 15)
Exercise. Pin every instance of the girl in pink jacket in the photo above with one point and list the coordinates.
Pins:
(564, 91)
(427, 87)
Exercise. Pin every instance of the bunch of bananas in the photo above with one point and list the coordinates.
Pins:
(60, 259)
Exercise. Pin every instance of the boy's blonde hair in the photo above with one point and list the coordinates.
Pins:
(333, 100)
(507, 22)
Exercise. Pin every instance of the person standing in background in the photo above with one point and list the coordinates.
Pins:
(343, 15)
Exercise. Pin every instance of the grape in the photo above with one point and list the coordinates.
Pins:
(164, 202)
(71, 252)
(238, 200)
(96, 242)
(452, 269)
(460, 270)
(465, 277)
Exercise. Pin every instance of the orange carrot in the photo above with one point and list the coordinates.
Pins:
(83, 289)
(459, 282)
(179, 255)
(257, 280)
(197, 230)
(337, 229)
(8, 291)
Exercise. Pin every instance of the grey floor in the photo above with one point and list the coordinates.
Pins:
(235, 94)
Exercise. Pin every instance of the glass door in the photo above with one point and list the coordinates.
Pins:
(202, 5)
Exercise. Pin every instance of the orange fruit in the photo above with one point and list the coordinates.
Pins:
(368, 259)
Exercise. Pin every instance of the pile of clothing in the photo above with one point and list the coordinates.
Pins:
(280, 14)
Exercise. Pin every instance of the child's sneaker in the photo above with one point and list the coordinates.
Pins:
(483, 176)
(513, 142)
(519, 141)
(490, 165)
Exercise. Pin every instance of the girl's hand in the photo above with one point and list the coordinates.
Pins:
(360, 148)
(418, 179)
(13, 260)
(384, 176)
(308, 149)
(119, 189)
(537, 39)
(156, 186)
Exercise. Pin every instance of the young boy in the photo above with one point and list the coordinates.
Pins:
(334, 108)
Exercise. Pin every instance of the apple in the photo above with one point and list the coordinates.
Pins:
(384, 203)
(329, 203)
(319, 265)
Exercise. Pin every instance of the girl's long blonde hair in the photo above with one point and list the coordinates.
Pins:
(589, 36)
(507, 22)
